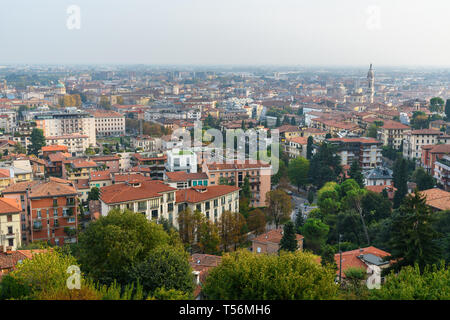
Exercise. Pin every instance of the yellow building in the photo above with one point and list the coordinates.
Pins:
(10, 230)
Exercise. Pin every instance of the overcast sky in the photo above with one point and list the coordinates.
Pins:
(206, 32)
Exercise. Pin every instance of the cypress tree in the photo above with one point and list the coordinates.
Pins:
(288, 241)
(355, 173)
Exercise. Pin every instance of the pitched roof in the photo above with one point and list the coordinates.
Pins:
(200, 194)
(100, 175)
(50, 189)
(299, 140)
(125, 177)
(184, 176)
(238, 165)
(437, 198)
(352, 259)
(390, 124)
(54, 148)
(9, 205)
(19, 187)
(274, 236)
(121, 192)
(427, 131)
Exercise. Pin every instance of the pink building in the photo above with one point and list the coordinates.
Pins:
(259, 174)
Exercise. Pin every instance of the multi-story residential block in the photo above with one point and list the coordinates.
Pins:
(442, 172)
(432, 153)
(367, 151)
(258, 172)
(181, 160)
(76, 143)
(183, 180)
(414, 140)
(10, 226)
(78, 169)
(212, 201)
(378, 176)
(144, 143)
(109, 123)
(153, 199)
(57, 124)
(8, 120)
(392, 133)
(154, 163)
(296, 147)
(111, 163)
(50, 210)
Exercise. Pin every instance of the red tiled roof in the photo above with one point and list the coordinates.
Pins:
(299, 140)
(184, 176)
(9, 205)
(101, 175)
(54, 148)
(117, 193)
(51, 189)
(203, 193)
(437, 198)
(361, 140)
(390, 124)
(350, 258)
(238, 165)
(274, 236)
(426, 131)
(125, 177)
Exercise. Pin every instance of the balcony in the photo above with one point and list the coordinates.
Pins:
(10, 235)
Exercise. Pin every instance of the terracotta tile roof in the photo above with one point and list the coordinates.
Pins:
(201, 261)
(299, 140)
(81, 163)
(58, 157)
(8, 260)
(287, 128)
(125, 177)
(350, 258)
(51, 189)
(54, 148)
(4, 173)
(105, 158)
(184, 176)
(100, 175)
(440, 148)
(117, 193)
(360, 140)
(237, 165)
(19, 187)
(379, 189)
(426, 131)
(437, 198)
(203, 193)
(82, 184)
(8, 205)
(274, 236)
(390, 124)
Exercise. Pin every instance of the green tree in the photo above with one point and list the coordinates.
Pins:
(288, 242)
(310, 196)
(355, 173)
(298, 171)
(299, 221)
(400, 178)
(412, 283)
(436, 104)
(278, 206)
(423, 180)
(327, 256)
(165, 266)
(230, 228)
(110, 246)
(19, 148)
(372, 131)
(94, 194)
(413, 239)
(315, 233)
(37, 141)
(325, 165)
(296, 275)
(256, 221)
(209, 240)
(309, 147)
(447, 109)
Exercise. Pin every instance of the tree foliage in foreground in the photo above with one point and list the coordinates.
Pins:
(243, 275)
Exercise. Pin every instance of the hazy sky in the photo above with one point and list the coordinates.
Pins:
(281, 32)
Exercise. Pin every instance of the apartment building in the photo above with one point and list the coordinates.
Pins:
(109, 123)
(416, 139)
(212, 201)
(296, 147)
(181, 160)
(153, 199)
(442, 172)
(367, 151)
(78, 169)
(432, 153)
(69, 123)
(392, 133)
(259, 174)
(10, 226)
(76, 143)
(184, 180)
(50, 210)
(143, 142)
(8, 120)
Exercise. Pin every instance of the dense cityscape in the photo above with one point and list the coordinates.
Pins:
(346, 197)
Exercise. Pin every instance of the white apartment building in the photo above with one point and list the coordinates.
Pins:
(76, 143)
(8, 120)
(414, 140)
(109, 123)
(392, 133)
(145, 143)
(67, 123)
(181, 160)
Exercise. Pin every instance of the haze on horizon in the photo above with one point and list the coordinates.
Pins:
(228, 32)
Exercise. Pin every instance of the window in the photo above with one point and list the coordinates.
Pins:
(10, 230)
(55, 202)
(170, 196)
(170, 207)
(142, 205)
(198, 207)
(55, 212)
(9, 218)
(38, 213)
(216, 202)
(207, 205)
(258, 249)
(11, 242)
